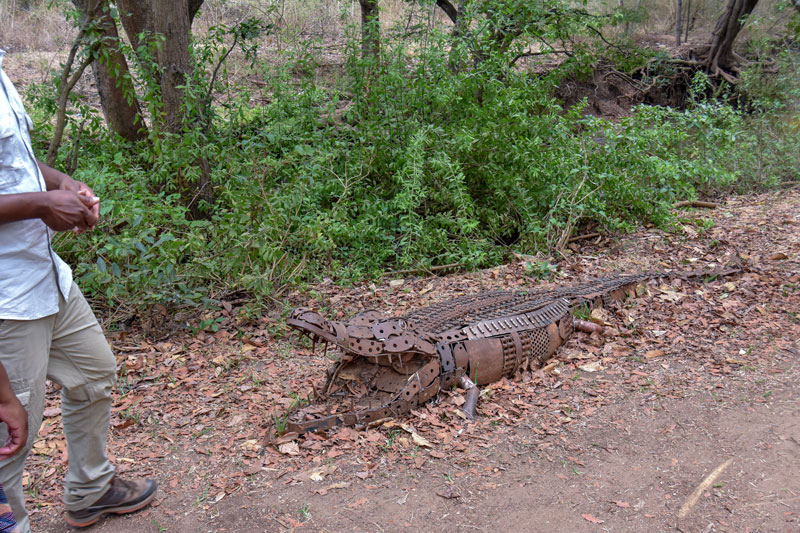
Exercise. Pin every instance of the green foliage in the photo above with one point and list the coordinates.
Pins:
(540, 269)
(407, 163)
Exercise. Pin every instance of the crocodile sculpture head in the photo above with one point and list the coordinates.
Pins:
(386, 368)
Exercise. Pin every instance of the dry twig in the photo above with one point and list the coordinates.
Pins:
(691, 501)
(695, 203)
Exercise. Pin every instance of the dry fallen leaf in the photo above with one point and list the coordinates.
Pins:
(286, 437)
(777, 256)
(125, 423)
(420, 441)
(599, 316)
(416, 437)
(289, 448)
(357, 503)
(448, 493)
(669, 295)
(319, 474)
(251, 445)
(652, 354)
(50, 412)
(594, 366)
(592, 519)
(340, 485)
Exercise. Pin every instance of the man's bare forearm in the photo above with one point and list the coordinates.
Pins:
(67, 204)
(52, 177)
(6, 392)
(23, 206)
(61, 210)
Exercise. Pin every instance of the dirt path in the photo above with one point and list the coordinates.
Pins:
(615, 438)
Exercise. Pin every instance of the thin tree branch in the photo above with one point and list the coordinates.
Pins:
(207, 100)
(533, 54)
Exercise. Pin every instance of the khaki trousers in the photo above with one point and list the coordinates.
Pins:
(70, 349)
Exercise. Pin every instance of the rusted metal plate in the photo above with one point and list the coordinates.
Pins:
(366, 347)
(387, 328)
(359, 332)
(400, 343)
(366, 318)
(485, 360)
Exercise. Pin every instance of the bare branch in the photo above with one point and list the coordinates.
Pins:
(533, 54)
(67, 83)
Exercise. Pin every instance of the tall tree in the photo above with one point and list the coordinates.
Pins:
(111, 73)
(172, 20)
(719, 59)
(451, 10)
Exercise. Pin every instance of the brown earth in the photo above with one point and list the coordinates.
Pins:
(687, 377)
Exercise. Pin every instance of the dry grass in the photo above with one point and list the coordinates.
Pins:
(704, 13)
(301, 19)
(41, 27)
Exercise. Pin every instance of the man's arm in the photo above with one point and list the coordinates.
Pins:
(14, 415)
(61, 210)
(67, 204)
(56, 180)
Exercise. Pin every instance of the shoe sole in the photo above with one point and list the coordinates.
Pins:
(114, 510)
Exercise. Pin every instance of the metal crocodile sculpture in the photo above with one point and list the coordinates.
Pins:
(390, 365)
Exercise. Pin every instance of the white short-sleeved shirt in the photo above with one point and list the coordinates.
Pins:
(31, 273)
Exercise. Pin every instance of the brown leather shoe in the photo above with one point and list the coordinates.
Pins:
(122, 497)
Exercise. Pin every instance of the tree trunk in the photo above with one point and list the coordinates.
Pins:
(452, 11)
(137, 18)
(112, 76)
(688, 20)
(171, 19)
(193, 6)
(370, 28)
(678, 20)
(720, 59)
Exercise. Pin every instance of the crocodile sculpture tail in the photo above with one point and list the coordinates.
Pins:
(390, 365)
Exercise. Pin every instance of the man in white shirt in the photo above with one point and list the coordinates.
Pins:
(47, 329)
